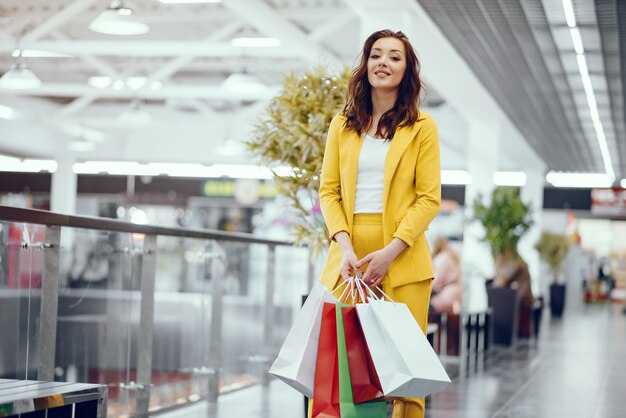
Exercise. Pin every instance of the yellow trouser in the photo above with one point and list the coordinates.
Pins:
(367, 236)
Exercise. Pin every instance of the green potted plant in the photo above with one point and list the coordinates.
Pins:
(292, 132)
(505, 220)
(553, 249)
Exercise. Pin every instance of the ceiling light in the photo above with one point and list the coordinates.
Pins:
(127, 168)
(118, 85)
(118, 20)
(135, 83)
(577, 40)
(136, 114)
(99, 81)
(7, 112)
(38, 53)
(455, 177)
(570, 17)
(19, 77)
(243, 83)
(255, 42)
(16, 165)
(81, 145)
(582, 180)
(156, 85)
(230, 148)
(188, 1)
(509, 178)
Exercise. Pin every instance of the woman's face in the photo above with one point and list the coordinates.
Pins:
(386, 64)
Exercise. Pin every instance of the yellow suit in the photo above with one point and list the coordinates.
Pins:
(411, 195)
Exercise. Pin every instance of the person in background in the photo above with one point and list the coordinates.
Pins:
(448, 282)
(380, 184)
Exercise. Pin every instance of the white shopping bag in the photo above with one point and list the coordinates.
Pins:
(406, 364)
(295, 364)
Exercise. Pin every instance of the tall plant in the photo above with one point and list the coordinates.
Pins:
(292, 132)
(553, 249)
(505, 220)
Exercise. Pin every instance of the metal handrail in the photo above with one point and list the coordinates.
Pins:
(15, 214)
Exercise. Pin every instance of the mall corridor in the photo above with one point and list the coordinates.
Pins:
(577, 368)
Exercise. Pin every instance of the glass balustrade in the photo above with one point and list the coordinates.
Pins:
(162, 316)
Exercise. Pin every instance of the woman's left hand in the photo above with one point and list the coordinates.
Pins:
(379, 262)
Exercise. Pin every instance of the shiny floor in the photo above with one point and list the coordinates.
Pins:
(577, 368)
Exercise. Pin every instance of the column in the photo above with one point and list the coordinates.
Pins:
(63, 190)
(532, 195)
(482, 162)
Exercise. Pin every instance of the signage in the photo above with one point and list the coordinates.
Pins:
(609, 202)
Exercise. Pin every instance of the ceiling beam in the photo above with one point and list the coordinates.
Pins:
(268, 21)
(54, 22)
(128, 48)
(166, 92)
(331, 26)
(176, 64)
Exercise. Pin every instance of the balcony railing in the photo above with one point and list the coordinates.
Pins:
(163, 316)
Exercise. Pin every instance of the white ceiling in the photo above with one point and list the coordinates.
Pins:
(188, 50)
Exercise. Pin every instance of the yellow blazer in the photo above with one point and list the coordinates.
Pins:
(411, 195)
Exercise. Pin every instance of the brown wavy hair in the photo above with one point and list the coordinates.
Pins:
(358, 108)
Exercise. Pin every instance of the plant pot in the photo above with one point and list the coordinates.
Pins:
(504, 304)
(557, 300)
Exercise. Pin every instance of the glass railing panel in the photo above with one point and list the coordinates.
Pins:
(182, 313)
(98, 313)
(246, 356)
(21, 275)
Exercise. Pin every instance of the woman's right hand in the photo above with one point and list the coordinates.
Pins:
(349, 260)
(348, 265)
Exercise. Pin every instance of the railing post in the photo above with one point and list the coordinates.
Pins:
(268, 312)
(215, 341)
(146, 324)
(49, 303)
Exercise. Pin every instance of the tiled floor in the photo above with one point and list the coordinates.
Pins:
(577, 369)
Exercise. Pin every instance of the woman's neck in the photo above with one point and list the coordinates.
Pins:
(382, 101)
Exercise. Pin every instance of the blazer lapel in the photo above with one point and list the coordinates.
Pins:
(351, 166)
(400, 141)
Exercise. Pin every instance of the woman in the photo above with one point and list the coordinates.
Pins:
(380, 182)
(448, 282)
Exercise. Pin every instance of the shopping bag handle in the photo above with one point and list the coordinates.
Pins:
(362, 285)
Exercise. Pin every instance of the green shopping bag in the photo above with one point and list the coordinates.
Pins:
(348, 409)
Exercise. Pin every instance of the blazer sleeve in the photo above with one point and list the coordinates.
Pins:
(427, 185)
(330, 182)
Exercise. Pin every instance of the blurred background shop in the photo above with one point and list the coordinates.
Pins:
(141, 113)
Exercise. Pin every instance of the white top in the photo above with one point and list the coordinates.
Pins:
(370, 177)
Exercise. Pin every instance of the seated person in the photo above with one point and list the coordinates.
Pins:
(447, 290)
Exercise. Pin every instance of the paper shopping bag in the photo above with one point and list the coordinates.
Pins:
(326, 386)
(295, 364)
(349, 409)
(405, 362)
(365, 383)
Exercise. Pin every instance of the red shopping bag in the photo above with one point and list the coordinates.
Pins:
(365, 383)
(326, 384)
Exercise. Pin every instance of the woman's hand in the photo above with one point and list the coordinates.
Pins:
(348, 262)
(349, 265)
(379, 261)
